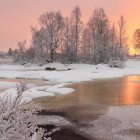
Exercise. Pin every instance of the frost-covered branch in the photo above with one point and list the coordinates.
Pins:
(18, 121)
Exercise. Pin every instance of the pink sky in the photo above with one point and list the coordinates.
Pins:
(17, 16)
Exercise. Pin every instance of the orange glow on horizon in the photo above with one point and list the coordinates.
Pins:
(18, 15)
(132, 23)
(132, 51)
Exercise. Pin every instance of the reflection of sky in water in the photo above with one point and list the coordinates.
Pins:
(133, 78)
(119, 91)
(110, 92)
(92, 98)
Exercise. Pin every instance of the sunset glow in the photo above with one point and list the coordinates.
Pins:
(133, 23)
(132, 51)
(18, 16)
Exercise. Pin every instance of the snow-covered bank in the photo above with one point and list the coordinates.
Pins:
(36, 92)
(63, 74)
(6, 85)
(78, 72)
(119, 123)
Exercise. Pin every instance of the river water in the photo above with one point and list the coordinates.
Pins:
(92, 99)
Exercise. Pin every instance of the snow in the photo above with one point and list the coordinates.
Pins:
(56, 90)
(62, 76)
(20, 67)
(78, 72)
(6, 85)
(116, 124)
(119, 123)
(34, 137)
(53, 120)
(36, 92)
(125, 113)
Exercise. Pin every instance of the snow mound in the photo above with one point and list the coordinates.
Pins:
(78, 72)
(53, 120)
(37, 92)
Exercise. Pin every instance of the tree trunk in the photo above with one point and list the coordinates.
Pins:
(52, 56)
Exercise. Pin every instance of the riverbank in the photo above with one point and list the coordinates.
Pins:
(64, 74)
(102, 109)
(54, 83)
(119, 123)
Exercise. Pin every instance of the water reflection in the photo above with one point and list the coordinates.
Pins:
(118, 91)
(92, 98)
(131, 92)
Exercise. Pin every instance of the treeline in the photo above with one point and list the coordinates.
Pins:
(136, 42)
(69, 40)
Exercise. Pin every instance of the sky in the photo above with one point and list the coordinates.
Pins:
(17, 16)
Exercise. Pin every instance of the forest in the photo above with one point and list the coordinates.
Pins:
(70, 40)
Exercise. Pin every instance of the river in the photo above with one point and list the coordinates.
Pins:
(92, 99)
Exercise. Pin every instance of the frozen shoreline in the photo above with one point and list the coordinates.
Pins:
(119, 123)
(77, 72)
(62, 76)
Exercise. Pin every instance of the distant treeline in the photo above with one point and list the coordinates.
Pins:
(69, 40)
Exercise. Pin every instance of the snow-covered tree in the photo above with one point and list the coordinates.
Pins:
(21, 49)
(68, 40)
(114, 50)
(10, 52)
(19, 53)
(136, 41)
(30, 54)
(66, 49)
(122, 38)
(86, 45)
(76, 24)
(117, 54)
(52, 24)
(101, 36)
(15, 56)
(18, 121)
(38, 43)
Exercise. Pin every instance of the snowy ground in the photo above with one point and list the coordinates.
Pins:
(62, 76)
(36, 92)
(78, 72)
(119, 122)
